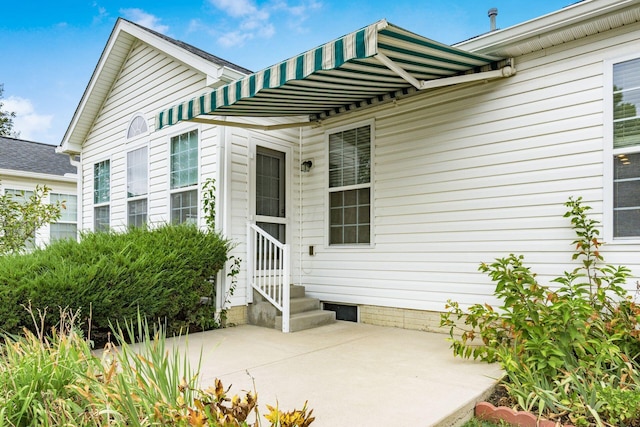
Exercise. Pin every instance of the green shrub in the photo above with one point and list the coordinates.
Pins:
(162, 273)
(22, 214)
(54, 379)
(573, 348)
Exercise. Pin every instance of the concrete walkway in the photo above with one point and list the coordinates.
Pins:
(352, 374)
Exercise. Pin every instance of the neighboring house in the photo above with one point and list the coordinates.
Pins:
(389, 164)
(25, 164)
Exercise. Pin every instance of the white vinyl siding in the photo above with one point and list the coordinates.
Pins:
(147, 80)
(467, 174)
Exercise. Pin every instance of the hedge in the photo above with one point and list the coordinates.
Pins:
(161, 273)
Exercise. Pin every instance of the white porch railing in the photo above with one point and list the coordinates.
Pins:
(268, 270)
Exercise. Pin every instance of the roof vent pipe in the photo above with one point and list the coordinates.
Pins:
(493, 12)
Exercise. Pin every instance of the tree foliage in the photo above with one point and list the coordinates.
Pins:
(571, 349)
(6, 118)
(21, 217)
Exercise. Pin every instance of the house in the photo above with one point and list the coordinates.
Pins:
(25, 164)
(381, 168)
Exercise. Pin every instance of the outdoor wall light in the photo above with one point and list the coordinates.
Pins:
(306, 165)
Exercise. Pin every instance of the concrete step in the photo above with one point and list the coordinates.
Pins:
(300, 305)
(297, 291)
(307, 320)
(262, 313)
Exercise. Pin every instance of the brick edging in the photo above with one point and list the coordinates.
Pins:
(487, 412)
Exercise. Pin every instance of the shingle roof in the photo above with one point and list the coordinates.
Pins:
(36, 157)
(201, 53)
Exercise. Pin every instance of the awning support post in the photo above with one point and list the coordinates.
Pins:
(506, 71)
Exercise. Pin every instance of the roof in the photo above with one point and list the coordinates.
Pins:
(201, 53)
(362, 67)
(34, 157)
(573, 22)
(124, 36)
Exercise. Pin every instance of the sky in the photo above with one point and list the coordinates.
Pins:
(49, 49)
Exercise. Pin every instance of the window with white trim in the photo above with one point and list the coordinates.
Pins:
(138, 126)
(22, 196)
(137, 185)
(626, 149)
(67, 226)
(184, 178)
(101, 195)
(350, 187)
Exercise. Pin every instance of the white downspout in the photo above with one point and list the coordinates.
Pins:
(300, 174)
(222, 203)
(79, 185)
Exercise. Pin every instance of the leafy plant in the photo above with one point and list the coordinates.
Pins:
(21, 217)
(295, 418)
(6, 119)
(52, 378)
(209, 208)
(161, 272)
(558, 345)
(209, 203)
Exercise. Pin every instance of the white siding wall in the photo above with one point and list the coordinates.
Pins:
(466, 175)
(56, 184)
(148, 82)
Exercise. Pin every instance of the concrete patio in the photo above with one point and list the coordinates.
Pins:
(352, 374)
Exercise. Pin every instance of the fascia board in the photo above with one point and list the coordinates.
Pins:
(574, 14)
(37, 176)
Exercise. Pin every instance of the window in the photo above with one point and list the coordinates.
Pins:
(101, 195)
(626, 149)
(184, 178)
(19, 195)
(67, 225)
(138, 126)
(22, 196)
(350, 186)
(137, 183)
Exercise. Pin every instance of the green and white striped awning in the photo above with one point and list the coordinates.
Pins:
(365, 67)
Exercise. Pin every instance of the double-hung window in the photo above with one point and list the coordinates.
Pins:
(67, 226)
(22, 197)
(137, 184)
(350, 186)
(101, 195)
(626, 149)
(184, 178)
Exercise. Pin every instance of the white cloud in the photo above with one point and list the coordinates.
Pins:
(300, 13)
(31, 125)
(253, 21)
(145, 19)
(234, 38)
(102, 13)
(238, 8)
(196, 25)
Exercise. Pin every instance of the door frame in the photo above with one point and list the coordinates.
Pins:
(256, 142)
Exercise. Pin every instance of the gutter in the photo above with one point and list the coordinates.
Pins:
(575, 14)
(38, 176)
